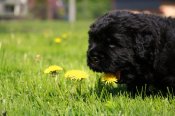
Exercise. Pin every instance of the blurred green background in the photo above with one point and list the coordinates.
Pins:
(72, 10)
(89, 9)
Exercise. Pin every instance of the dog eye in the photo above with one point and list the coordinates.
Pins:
(112, 46)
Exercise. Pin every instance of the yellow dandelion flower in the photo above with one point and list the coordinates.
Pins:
(53, 69)
(110, 78)
(64, 35)
(58, 40)
(76, 74)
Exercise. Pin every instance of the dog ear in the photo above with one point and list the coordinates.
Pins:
(103, 23)
(144, 46)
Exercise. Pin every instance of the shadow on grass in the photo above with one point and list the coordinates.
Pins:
(104, 92)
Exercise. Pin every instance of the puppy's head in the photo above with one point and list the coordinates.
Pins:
(110, 45)
(122, 41)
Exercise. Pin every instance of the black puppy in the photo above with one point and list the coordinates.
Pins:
(140, 46)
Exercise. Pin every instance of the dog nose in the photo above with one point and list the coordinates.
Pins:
(95, 57)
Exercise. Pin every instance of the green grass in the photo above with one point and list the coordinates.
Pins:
(26, 90)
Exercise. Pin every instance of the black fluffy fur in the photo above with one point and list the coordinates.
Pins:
(141, 46)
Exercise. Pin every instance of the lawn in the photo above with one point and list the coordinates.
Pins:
(27, 48)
